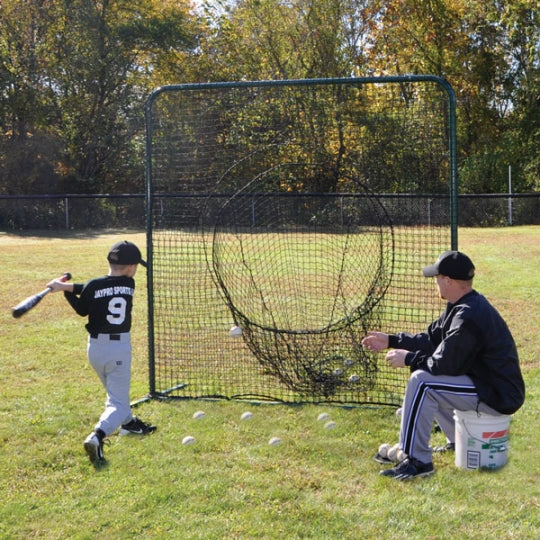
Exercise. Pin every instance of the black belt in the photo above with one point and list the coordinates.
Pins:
(112, 337)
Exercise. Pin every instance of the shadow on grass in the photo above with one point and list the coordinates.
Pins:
(86, 234)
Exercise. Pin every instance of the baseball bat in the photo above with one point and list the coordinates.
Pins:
(32, 301)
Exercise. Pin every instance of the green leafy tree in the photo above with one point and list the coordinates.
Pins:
(104, 53)
(75, 74)
(27, 153)
(521, 20)
(297, 39)
(488, 50)
(273, 39)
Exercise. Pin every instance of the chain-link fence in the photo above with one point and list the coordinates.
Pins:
(105, 211)
(71, 212)
(499, 210)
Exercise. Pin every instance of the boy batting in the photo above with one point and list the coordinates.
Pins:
(107, 302)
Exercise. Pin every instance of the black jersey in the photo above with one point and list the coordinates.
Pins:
(107, 301)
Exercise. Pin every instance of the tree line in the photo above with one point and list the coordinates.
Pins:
(75, 74)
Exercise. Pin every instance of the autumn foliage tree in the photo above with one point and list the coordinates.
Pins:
(74, 75)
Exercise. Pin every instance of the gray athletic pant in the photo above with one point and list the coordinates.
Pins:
(433, 398)
(111, 360)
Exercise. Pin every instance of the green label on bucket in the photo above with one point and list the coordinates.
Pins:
(496, 447)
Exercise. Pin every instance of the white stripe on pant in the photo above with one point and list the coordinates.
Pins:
(433, 398)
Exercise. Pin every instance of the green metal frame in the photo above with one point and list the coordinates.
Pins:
(453, 179)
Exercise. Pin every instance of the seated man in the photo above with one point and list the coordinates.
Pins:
(465, 360)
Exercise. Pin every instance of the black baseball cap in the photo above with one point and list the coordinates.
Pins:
(125, 253)
(454, 264)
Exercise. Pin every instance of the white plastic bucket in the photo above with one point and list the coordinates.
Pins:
(481, 440)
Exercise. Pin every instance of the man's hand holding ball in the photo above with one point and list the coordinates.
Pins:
(396, 358)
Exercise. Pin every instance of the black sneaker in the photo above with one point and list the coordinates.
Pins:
(136, 427)
(94, 448)
(408, 469)
(448, 447)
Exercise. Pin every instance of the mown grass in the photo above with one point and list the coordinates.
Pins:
(231, 484)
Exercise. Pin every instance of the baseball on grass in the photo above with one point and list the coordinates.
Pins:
(246, 416)
(323, 417)
(274, 441)
(198, 415)
(383, 450)
(330, 425)
(235, 331)
(392, 452)
(400, 456)
(188, 440)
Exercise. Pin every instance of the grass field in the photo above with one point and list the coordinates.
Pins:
(318, 484)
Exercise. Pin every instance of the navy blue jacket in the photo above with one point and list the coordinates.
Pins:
(470, 338)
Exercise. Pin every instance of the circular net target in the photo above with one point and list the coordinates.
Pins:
(302, 274)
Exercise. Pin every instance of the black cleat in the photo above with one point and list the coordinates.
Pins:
(136, 427)
(408, 469)
(94, 448)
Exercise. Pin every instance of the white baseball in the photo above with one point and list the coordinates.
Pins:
(383, 449)
(354, 378)
(198, 415)
(400, 456)
(235, 331)
(323, 417)
(188, 440)
(392, 452)
(246, 416)
(330, 425)
(274, 441)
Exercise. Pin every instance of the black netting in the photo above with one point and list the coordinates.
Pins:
(303, 213)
